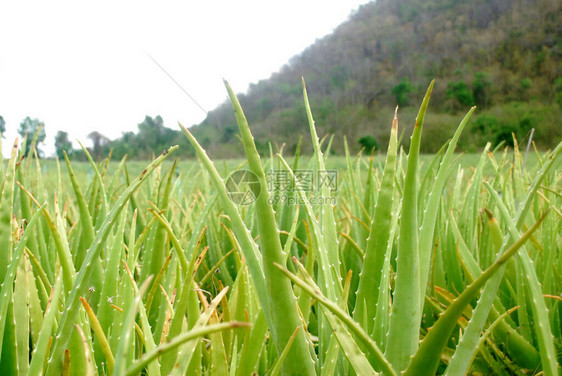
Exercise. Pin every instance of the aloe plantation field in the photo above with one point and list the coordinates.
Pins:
(393, 265)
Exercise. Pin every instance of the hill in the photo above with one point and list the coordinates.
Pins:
(503, 56)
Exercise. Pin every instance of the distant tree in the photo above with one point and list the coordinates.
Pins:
(558, 91)
(369, 143)
(338, 76)
(99, 142)
(154, 136)
(525, 85)
(460, 95)
(62, 144)
(505, 132)
(481, 89)
(35, 131)
(401, 92)
(2, 126)
(151, 131)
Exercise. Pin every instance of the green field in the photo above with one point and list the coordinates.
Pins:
(401, 263)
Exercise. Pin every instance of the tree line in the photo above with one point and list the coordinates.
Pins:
(150, 139)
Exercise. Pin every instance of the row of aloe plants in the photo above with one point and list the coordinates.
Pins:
(420, 268)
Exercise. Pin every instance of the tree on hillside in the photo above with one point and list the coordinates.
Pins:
(2, 126)
(459, 95)
(481, 89)
(99, 142)
(35, 131)
(151, 130)
(154, 136)
(369, 143)
(401, 92)
(62, 144)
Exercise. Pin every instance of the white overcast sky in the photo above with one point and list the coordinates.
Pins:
(84, 66)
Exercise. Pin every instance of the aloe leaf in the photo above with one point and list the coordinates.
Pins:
(35, 250)
(283, 307)
(188, 349)
(128, 323)
(326, 218)
(36, 312)
(65, 371)
(61, 243)
(100, 335)
(521, 351)
(87, 235)
(312, 289)
(247, 243)
(218, 352)
(426, 359)
(90, 366)
(344, 340)
(331, 262)
(381, 317)
(157, 285)
(351, 350)
(82, 279)
(469, 342)
(6, 209)
(327, 277)
(158, 247)
(253, 344)
(21, 315)
(379, 237)
(173, 238)
(540, 313)
(239, 301)
(99, 178)
(177, 341)
(40, 352)
(113, 255)
(182, 304)
(432, 206)
(85, 216)
(8, 360)
(234, 358)
(7, 283)
(292, 233)
(403, 335)
(149, 344)
(317, 239)
(349, 346)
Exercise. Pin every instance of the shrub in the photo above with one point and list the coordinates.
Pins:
(401, 92)
(460, 95)
(369, 143)
(481, 89)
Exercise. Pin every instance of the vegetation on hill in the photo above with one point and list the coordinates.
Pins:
(503, 56)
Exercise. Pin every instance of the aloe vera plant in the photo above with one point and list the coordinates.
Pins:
(413, 264)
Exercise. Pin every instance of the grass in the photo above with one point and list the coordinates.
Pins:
(426, 264)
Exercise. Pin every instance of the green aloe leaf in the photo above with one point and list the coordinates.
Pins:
(311, 288)
(80, 284)
(283, 305)
(379, 237)
(426, 359)
(403, 335)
